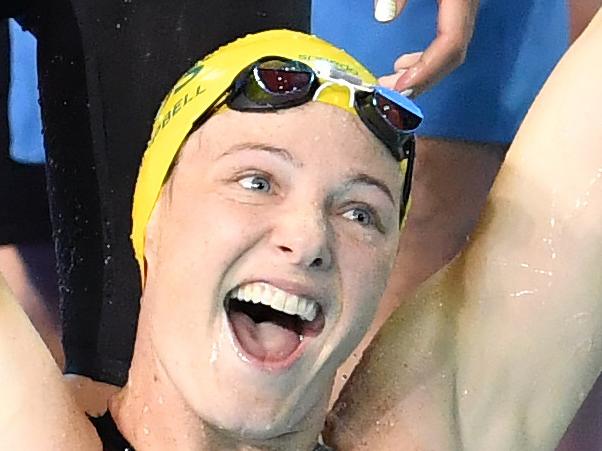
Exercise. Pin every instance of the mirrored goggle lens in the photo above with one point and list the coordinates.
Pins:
(397, 116)
(278, 77)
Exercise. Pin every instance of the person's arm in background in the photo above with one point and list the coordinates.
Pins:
(500, 350)
(37, 411)
(419, 71)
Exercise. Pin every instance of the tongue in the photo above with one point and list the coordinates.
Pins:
(265, 341)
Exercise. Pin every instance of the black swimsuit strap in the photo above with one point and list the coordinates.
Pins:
(111, 438)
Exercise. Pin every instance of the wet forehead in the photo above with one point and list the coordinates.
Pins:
(314, 132)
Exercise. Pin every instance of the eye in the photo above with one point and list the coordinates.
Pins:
(362, 215)
(255, 183)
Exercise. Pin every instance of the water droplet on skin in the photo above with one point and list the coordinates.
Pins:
(522, 293)
(160, 400)
(581, 315)
(146, 430)
(214, 353)
(145, 409)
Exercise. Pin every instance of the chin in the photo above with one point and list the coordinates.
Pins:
(253, 420)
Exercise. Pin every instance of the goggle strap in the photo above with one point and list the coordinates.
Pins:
(407, 182)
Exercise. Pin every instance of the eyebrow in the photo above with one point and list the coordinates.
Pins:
(365, 179)
(356, 179)
(279, 151)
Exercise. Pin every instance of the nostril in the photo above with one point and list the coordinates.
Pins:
(306, 260)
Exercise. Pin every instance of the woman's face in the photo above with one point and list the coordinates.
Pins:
(267, 255)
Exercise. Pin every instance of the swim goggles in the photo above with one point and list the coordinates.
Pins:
(274, 83)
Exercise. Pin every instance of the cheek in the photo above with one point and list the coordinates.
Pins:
(364, 278)
(363, 281)
(199, 246)
(200, 240)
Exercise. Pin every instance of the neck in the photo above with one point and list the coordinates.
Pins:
(151, 413)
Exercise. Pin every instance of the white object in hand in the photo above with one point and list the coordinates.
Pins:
(385, 10)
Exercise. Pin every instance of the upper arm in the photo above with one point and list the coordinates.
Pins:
(37, 410)
(529, 344)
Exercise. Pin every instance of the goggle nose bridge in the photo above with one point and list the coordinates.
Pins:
(334, 77)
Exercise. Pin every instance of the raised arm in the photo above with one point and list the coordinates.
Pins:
(530, 341)
(500, 349)
(37, 412)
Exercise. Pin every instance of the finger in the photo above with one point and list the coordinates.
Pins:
(436, 62)
(389, 81)
(406, 60)
(401, 4)
(448, 50)
(387, 10)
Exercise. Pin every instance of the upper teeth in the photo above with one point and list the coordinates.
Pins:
(264, 293)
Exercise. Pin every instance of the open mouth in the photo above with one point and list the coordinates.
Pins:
(270, 324)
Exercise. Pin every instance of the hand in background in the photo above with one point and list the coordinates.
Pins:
(417, 72)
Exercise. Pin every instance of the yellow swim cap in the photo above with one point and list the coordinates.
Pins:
(204, 84)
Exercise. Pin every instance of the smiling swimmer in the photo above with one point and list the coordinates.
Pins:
(265, 235)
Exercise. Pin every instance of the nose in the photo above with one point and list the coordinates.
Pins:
(302, 238)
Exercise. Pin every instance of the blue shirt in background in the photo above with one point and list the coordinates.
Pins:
(24, 117)
(515, 46)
